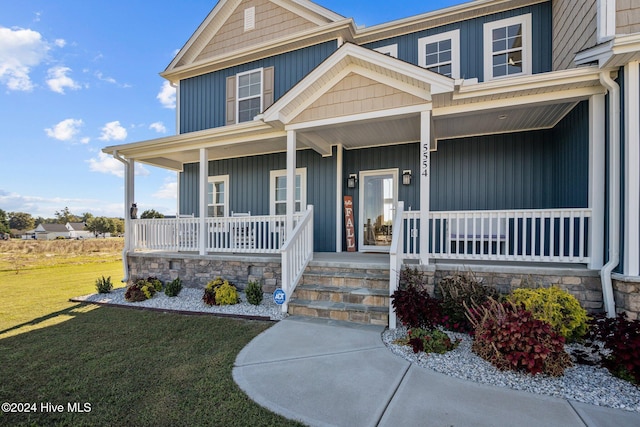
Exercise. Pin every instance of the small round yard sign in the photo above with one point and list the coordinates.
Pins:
(279, 296)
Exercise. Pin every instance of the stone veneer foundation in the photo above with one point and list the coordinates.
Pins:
(196, 271)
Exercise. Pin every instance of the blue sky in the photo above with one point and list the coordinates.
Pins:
(79, 75)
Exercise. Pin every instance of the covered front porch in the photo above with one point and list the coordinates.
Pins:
(362, 117)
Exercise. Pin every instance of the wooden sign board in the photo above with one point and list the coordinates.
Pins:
(349, 224)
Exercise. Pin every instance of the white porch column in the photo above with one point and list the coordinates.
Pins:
(596, 180)
(204, 182)
(632, 171)
(425, 180)
(130, 199)
(339, 208)
(291, 179)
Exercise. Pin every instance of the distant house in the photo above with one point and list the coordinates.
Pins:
(50, 232)
(78, 230)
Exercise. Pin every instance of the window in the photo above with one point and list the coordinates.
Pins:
(507, 47)
(218, 196)
(391, 50)
(278, 191)
(249, 95)
(440, 53)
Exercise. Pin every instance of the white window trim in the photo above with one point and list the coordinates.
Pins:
(525, 21)
(272, 188)
(391, 50)
(454, 36)
(225, 180)
(261, 95)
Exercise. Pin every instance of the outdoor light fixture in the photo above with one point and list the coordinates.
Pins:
(406, 177)
(352, 180)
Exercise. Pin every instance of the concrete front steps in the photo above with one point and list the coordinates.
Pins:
(343, 291)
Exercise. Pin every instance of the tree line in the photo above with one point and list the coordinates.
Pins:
(22, 221)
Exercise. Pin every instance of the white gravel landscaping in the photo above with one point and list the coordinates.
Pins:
(588, 384)
(190, 299)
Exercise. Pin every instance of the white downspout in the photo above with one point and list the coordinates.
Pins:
(614, 192)
(127, 220)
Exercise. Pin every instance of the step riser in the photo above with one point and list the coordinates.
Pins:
(345, 282)
(341, 270)
(372, 300)
(371, 318)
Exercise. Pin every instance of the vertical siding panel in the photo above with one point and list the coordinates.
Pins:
(471, 40)
(203, 100)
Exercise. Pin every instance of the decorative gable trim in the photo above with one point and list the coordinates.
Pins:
(373, 65)
(315, 15)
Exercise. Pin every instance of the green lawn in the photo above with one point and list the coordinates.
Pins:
(133, 367)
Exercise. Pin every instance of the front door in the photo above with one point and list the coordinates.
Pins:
(378, 197)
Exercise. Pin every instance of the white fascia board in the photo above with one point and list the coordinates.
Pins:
(541, 98)
(344, 29)
(605, 52)
(379, 114)
(311, 7)
(201, 28)
(534, 81)
(247, 128)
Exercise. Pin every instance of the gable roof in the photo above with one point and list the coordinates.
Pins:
(51, 228)
(351, 58)
(222, 31)
(77, 226)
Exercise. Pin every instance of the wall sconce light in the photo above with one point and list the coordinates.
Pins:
(406, 177)
(352, 180)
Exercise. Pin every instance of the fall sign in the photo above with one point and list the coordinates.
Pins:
(349, 224)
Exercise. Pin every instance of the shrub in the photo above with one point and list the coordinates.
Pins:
(104, 286)
(412, 303)
(227, 294)
(509, 337)
(156, 283)
(134, 292)
(220, 292)
(622, 338)
(173, 288)
(429, 341)
(557, 307)
(457, 291)
(254, 292)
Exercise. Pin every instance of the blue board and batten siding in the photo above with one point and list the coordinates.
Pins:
(471, 40)
(249, 188)
(203, 98)
(523, 170)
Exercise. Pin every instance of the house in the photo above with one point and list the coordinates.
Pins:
(498, 136)
(49, 232)
(78, 230)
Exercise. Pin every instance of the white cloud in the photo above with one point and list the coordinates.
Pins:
(105, 163)
(58, 79)
(47, 206)
(113, 131)
(167, 95)
(60, 42)
(158, 127)
(169, 190)
(85, 140)
(66, 130)
(20, 50)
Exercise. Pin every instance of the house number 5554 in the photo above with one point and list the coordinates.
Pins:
(425, 159)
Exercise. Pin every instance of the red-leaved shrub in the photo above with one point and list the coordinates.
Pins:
(509, 337)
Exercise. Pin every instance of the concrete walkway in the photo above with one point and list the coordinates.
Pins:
(327, 373)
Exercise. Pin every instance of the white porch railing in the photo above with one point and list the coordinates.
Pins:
(396, 258)
(541, 235)
(247, 234)
(296, 254)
